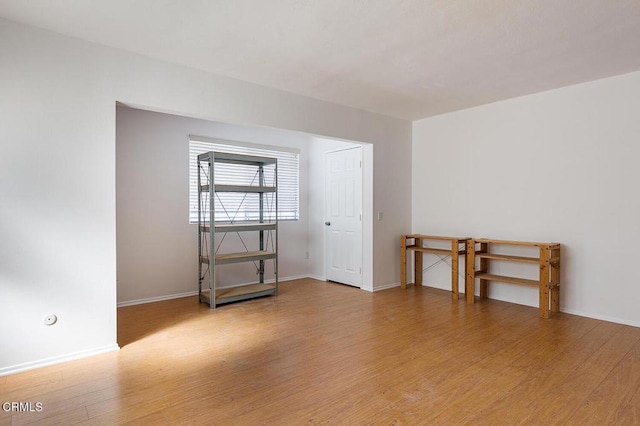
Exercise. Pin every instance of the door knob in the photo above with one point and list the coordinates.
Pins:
(327, 223)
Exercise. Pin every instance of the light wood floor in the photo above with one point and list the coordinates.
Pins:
(323, 353)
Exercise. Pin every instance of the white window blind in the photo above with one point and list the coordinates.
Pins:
(236, 206)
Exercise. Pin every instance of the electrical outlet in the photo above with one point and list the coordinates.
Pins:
(50, 319)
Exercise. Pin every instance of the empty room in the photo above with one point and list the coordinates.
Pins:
(319, 212)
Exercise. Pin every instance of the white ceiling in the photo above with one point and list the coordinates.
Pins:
(404, 58)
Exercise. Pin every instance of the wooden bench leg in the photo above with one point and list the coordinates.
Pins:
(418, 263)
(555, 280)
(470, 281)
(484, 267)
(403, 261)
(545, 256)
(454, 268)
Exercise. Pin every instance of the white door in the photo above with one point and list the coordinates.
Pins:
(343, 216)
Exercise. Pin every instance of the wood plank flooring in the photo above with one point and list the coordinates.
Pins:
(323, 353)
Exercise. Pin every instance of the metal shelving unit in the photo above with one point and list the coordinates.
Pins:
(264, 225)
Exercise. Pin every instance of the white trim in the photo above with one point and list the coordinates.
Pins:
(293, 277)
(317, 277)
(156, 299)
(599, 317)
(195, 293)
(367, 217)
(12, 369)
(385, 287)
(207, 139)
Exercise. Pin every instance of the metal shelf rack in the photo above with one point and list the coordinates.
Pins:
(264, 225)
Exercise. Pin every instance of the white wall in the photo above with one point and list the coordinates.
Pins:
(156, 247)
(559, 166)
(58, 171)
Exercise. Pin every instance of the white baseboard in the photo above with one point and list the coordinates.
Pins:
(386, 286)
(294, 277)
(600, 317)
(317, 277)
(156, 299)
(12, 369)
(195, 293)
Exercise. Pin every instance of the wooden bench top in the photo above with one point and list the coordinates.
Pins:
(515, 243)
(436, 237)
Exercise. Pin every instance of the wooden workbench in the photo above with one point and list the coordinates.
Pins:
(415, 243)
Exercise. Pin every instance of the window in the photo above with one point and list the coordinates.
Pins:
(237, 207)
